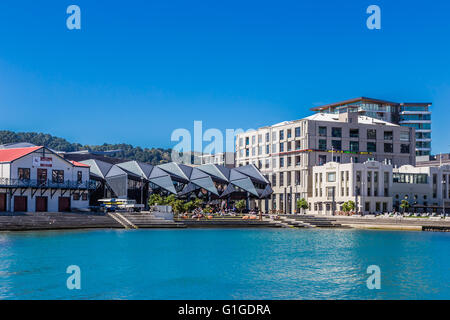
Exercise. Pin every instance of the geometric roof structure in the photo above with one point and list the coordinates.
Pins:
(182, 180)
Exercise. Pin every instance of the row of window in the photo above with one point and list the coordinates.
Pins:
(371, 134)
(354, 146)
(57, 175)
(289, 181)
(289, 132)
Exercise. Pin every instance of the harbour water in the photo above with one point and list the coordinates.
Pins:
(225, 264)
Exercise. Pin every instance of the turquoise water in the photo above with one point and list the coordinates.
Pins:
(225, 264)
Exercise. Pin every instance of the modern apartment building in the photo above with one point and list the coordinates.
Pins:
(286, 152)
(407, 114)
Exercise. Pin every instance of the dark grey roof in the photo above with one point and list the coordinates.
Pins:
(187, 179)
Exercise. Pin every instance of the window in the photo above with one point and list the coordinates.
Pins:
(322, 160)
(354, 133)
(297, 178)
(297, 160)
(281, 147)
(367, 206)
(289, 134)
(354, 146)
(388, 148)
(377, 206)
(281, 162)
(404, 136)
(289, 161)
(297, 132)
(253, 151)
(388, 135)
(267, 137)
(322, 144)
(260, 150)
(274, 180)
(297, 145)
(331, 177)
(336, 144)
(371, 147)
(267, 163)
(337, 159)
(404, 148)
(281, 179)
(288, 183)
(253, 139)
(281, 134)
(371, 134)
(23, 173)
(259, 138)
(322, 131)
(79, 177)
(240, 142)
(289, 146)
(267, 149)
(58, 176)
(336, 132)
(274, 148)
(247, 141)
(247, 152)
(76, 196)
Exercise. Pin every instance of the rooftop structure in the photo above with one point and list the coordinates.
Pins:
(408, 114)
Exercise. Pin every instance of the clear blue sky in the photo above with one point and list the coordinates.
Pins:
(137, 70)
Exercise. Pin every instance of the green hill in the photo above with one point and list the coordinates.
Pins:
(153, 156)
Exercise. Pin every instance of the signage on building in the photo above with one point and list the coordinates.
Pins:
(42, 162)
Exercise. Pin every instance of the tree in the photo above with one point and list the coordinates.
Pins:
(197, 203)
(155, 199)
(153, 156)
(302, 204)
(240, 205)
(178, 206)
(169, 200)
(404, 205)
(189, 206)
(348, 206)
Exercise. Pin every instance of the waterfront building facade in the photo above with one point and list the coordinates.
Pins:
(36, 179)
(223, 159)
(425, 188)
(367, 184)
(286, 152)
(407, 114)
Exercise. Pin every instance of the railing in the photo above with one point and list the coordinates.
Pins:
(31, 183)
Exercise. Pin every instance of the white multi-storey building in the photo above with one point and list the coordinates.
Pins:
(286, 152)
(367, 184)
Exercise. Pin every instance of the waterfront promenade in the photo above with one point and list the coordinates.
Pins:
(145, 220)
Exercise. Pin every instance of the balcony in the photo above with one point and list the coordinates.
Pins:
(30, 183)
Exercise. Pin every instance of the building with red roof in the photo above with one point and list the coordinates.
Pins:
(35, 179)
